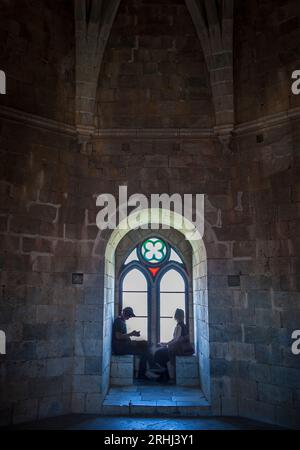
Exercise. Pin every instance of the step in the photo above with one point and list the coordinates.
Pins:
(114, 407)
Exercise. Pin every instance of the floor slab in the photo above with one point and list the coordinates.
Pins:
(91, 422)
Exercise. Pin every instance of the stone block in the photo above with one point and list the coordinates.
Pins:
(224, 368)
(93, 403)
(88, 313)
(87, 384)
(59, 366)
(220, 315)
(241, 351)
(45, 386)
(87, 347)
(38, 245)
(122, 370)
(187, 371)
(25, 411)
(244, 249)
(78, 403)
(32, 332)
(93, 365)
(54, 406)
(255, 371)
(93, 330)
(272, 394)
(257, 410)
(24, 351)
(225, 333)
(258, 335)
(92, 296)
(290, 319)
(259, 299)
(44, 213)
(229, 406)
(284, 376)
(267, 353)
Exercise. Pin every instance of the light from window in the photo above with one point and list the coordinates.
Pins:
(170, 301)
(172, 296)
(135, 294)
(135, 281)
(137, 301)
(175, 257)
(132, 257)
(167, 327)
(172, 281)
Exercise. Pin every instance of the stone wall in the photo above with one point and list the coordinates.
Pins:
(37, 53)
(57, 359)
(265, 311)
(48, 232)
(37, 299)
(266, 53)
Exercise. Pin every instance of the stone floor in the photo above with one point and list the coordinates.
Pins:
(151, 399)
(91, 422)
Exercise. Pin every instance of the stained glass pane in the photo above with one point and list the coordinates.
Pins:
(169, 302)
(154, 250)
(135, 281)
(175, 257)
(138, 302)
(132, 257)
(167, 327)
(172, 281)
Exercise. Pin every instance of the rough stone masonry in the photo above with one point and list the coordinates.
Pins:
(177, 102)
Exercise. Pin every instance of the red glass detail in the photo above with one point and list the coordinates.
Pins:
(153, 270)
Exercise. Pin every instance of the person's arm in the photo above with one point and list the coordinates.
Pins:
(125, 337)
(177, 334)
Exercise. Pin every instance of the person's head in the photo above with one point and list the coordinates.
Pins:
(179, 315)
(128, 313)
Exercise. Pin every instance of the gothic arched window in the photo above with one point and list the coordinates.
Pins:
(153, 282)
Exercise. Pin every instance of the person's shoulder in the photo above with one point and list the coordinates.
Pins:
(183, 326)
(118, 320)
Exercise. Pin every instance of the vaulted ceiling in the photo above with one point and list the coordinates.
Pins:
(213, 20)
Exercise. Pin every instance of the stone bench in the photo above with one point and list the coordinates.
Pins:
(187, 371)
(121, 370)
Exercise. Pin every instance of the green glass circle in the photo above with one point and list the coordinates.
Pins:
(154, 250)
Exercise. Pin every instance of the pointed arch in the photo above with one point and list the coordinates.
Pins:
(200, 295)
